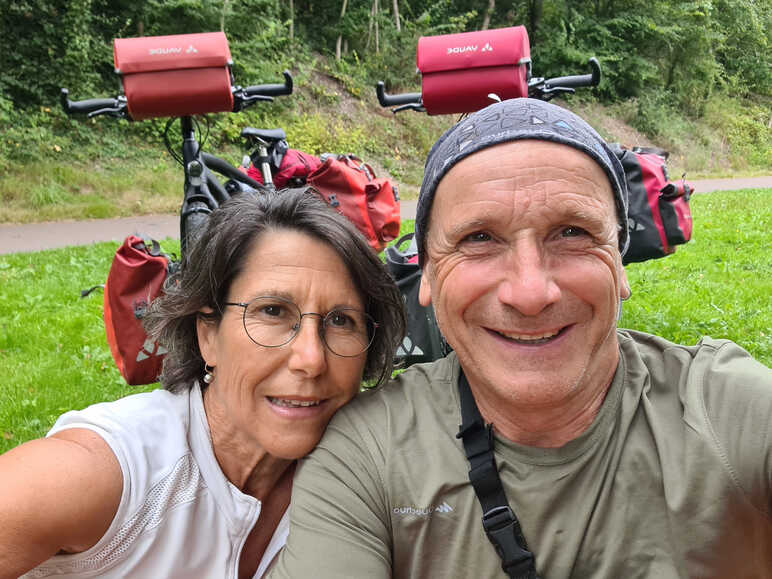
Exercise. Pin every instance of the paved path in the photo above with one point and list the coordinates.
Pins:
(51, 235)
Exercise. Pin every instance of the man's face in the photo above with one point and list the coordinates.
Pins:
(524, 273)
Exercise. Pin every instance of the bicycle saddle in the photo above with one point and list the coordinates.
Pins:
(263, 134)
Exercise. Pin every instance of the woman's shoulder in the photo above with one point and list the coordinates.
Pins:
(146, 413)
(147, 432)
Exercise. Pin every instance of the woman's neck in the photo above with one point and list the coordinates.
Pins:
(243, 462)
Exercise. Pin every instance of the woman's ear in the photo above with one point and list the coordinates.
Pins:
(206, 330)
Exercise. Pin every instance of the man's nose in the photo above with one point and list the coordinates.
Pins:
(527, 282)
(308, 353)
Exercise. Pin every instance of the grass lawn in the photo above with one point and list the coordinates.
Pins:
(54, 357)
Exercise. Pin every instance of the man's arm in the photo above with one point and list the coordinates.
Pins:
(340, 525)
(56, 494)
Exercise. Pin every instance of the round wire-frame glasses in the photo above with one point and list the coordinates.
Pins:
(273, 321)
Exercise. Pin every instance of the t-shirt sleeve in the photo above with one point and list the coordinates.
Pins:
(737, 391)
(339, 519)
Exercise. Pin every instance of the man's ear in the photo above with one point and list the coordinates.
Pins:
(425, 289)
(624, 286)
(206, 330)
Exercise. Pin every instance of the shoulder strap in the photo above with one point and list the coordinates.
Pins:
(500, 523)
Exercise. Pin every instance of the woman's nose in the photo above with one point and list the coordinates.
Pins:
(308, 352)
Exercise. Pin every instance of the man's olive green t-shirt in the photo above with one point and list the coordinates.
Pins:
(672, 479)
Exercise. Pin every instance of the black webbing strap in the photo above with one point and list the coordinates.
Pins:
(500, 523)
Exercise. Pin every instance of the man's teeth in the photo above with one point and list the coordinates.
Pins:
(293, 403)
(529, 339)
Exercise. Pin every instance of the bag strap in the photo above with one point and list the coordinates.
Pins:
(500, 523)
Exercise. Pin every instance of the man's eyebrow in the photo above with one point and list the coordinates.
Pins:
(466, 226)
(580, 214)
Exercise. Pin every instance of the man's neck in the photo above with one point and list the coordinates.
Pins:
(549, 425)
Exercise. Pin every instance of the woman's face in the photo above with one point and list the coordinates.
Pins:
(281, 398)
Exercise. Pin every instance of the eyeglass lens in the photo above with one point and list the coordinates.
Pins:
(272, 321)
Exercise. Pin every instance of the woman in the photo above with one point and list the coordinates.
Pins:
(278, 313)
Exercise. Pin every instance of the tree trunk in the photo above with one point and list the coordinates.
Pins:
(535, 14)
(396, 15)
(340, 36)
(377, 36)
(370, 25)
(292, 18)
(488, 12)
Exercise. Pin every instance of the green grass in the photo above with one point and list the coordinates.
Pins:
(719, 284)
(54, 356)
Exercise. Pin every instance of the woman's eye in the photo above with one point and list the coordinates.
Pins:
(272, 310)
(339, 320)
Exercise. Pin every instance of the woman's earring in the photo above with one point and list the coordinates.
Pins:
(208, 373)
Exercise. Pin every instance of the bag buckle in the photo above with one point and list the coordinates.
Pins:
(501, 527)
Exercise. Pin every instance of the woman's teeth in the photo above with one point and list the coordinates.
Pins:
(293, 403)
(525, 339)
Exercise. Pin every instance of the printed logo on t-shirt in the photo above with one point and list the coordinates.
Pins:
(423, 512)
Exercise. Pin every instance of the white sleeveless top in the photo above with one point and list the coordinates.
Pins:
(178, 516)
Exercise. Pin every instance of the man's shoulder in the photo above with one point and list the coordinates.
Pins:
(421, 392)
(716, 374)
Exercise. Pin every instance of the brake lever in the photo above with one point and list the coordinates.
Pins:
(246, 101)
(409, 107)
(118, 112)
(547, 93)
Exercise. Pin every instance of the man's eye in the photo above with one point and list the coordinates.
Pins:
(477, 237)
(573, 231)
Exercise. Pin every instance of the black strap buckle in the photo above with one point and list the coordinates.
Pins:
(500, 526)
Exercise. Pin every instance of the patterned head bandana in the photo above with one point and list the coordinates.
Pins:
(514, 120)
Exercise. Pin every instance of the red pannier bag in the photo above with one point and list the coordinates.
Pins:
(174, 76)
(349, 185)
(295, 168)
(659, 217)
(136, 278)
(459, 71)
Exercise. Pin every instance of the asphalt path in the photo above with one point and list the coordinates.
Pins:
(56, 234)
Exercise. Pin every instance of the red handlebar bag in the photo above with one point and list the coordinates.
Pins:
(459, 71)
(174, 76)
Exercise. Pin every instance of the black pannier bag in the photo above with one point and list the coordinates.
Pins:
(423, 341)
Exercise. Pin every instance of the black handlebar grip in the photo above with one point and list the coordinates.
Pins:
(388, 100)
(592, 79)
(86, 106)
(272, 89)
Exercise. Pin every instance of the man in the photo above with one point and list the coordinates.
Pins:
(621, 454)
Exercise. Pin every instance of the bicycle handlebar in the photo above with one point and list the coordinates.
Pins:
(271, 89)
(389, 100)
(538, 88)
(93, 107)
(592, 79)
(118, 106)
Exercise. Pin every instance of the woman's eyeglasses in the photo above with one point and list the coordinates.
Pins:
(271, 321)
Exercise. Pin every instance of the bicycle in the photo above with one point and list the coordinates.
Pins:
(203, 191)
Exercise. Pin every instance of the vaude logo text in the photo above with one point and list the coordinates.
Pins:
(172, 50)
(470, 48)
(462, 49)
(424, 512)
